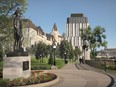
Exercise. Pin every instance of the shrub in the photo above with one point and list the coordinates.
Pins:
(4, 82)
(40, 67)
(31, 80)
(27, 81)
(50, 61)
(113, 67)
(17, 81)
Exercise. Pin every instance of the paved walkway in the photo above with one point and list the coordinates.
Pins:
(76, 75)
(70, 76)
(110, 74)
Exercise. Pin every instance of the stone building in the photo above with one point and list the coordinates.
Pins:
(33, 34)
(56, 37)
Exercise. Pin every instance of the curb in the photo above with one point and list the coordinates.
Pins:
(105, 73)
(49, 83)
(112, 81)
(43, 84)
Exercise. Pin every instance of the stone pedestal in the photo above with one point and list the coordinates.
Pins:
(15, 67)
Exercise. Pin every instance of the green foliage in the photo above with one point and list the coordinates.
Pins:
(4, 82)
(60, 63)
(18, 81)
(66, 47)
(71, 52)
(6, 34)
(1, 53)
(33, 50)
(96, 38)
(112, 67)
(27, 81)
(50, 61)
(7, 8)
(37, 65)
(40, 67)
(77, 52)
(40, 50)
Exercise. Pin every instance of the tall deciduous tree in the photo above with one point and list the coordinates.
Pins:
(96, 38)
(66, 47)
(41, 49)
(7, 8)
(77, 52)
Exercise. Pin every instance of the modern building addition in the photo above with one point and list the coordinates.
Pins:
(74, 25)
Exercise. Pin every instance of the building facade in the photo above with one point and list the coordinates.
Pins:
(74, 25)
(34, 35)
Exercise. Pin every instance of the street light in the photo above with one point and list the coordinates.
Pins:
(54, 47)
(65, 58)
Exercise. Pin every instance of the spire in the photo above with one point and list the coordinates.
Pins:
(55, 30)
(54, 27)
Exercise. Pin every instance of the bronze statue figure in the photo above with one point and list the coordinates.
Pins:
(18, 36)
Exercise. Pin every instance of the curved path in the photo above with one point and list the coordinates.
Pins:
(70, 76)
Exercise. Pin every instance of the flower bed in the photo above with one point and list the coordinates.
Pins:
(35, 78)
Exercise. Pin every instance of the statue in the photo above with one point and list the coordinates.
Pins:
(18, 36)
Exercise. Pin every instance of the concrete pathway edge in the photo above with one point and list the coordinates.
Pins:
(112, 83)
(50, 82)
(44, 84)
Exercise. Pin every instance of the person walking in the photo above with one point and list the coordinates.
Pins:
(80, 60)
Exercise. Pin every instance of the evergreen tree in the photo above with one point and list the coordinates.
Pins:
(50, 61)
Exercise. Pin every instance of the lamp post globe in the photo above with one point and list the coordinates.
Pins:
(54, 48)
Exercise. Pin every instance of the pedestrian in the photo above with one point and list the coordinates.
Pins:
(80, 59)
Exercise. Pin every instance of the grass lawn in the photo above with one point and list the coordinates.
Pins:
(43, 65)
(60, 63)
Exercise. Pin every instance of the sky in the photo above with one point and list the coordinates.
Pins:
(102, 13)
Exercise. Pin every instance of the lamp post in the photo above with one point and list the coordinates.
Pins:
(65, 58)
(54, 47)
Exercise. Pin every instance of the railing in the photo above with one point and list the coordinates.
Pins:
(102, 64)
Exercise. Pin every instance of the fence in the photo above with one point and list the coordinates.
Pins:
(102, 63)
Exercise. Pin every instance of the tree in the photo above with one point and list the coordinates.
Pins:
(71, 52)
(33, 49)
(7, 7)
(66, 47)
(6, 37)
(77, 52)
(96, 38)
(41, 48)
(50, 61)
(48, 50)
